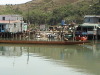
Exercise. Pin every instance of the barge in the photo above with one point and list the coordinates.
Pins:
(43, 42)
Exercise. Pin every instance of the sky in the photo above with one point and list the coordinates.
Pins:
(4, 2)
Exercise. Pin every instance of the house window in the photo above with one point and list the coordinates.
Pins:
(2, 27)
(14, 25)
(99, 20)
(3, 18)
(21, 25)
(88, 19)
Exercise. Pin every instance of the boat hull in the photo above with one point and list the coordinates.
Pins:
(44, 42)
(81, 38)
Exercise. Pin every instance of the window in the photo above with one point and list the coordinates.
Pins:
(14, 25)
(88, 19)
(3, 18)
(2, 27)
(99, 20)
(21, 25)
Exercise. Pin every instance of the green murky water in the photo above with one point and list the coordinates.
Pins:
(16, 59)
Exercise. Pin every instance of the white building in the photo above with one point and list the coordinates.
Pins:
(91, 25)
(12, 23)
(92, 19)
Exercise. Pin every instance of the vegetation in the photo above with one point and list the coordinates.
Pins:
(51, 13)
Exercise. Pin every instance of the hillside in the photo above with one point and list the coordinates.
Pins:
(53, 11)
(37, 4)
(40, 4)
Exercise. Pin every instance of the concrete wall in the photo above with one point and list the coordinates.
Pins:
(91, 20)
(15, 27)
(11, 17)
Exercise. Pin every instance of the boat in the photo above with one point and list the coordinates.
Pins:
(81, 38)
(68, 36)
(43, 42)
(38, 36)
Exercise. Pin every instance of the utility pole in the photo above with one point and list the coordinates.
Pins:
(28, 14)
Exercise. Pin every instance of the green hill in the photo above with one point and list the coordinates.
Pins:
(53, 11)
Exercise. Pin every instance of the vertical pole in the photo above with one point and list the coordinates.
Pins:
(62, 37)
(28, 16)
(20, 36)
(21, 24)
(27, 13)
(96, 33)
(9, 26)
(73, 33)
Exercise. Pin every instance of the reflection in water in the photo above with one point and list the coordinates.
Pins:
(50, 59)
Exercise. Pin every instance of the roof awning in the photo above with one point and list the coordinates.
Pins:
(89, 24)
(7, 22)
(92, 16)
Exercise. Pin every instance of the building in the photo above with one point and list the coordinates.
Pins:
(90, 27)
(12, 23)
(92, 19)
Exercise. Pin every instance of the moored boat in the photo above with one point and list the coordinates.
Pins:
(81, 38)
(44, 42)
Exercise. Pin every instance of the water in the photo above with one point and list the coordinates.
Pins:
(17, 59)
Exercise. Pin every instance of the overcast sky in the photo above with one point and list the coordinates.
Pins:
(3, 2)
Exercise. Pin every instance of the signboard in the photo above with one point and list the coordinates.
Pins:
(92, 32)
(42, 27)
